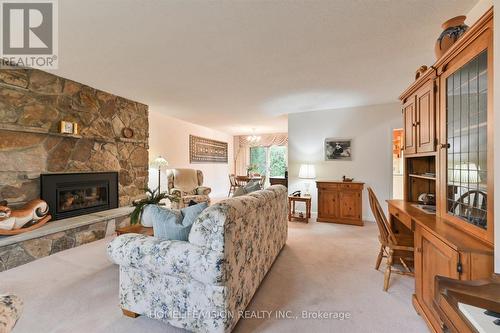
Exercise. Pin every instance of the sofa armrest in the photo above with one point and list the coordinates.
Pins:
(203, 190)
(175, 258)
(10, 310)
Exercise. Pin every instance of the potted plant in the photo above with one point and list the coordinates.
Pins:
(152, 198)
(251, 168)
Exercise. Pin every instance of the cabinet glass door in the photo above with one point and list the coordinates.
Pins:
(466, 121)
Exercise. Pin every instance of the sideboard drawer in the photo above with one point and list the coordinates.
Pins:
(326, 187)
(351, 186)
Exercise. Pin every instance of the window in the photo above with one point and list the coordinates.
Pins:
(258, 158)
(278, 161)
(269, 161)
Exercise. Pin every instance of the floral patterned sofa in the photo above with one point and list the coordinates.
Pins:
(10, 311)
(204, 284)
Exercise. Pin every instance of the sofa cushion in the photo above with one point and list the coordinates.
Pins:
(191, 213)
(167, 223)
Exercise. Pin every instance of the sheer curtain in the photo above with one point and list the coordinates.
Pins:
(242, 148)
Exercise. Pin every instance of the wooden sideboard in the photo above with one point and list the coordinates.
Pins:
(340, 202)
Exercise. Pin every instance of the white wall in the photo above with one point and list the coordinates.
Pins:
(169, 137)
(369, 127)
(477, 11)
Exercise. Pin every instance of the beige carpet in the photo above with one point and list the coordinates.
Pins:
(324, 267)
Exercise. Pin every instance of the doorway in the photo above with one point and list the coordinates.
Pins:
(397, 164)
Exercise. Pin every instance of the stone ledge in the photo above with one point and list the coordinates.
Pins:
(66, 224)
(45, 131)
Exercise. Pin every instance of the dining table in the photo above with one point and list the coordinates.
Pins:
(243, 180)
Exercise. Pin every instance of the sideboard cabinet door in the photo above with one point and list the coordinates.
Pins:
(328, 203)
(350, 205)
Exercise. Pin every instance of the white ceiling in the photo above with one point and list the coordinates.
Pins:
(237, 65)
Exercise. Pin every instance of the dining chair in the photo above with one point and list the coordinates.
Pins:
(233, 184)
(394, 247)
(472, 205)
(241, 180)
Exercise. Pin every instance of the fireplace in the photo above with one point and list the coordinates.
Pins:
(73, 194)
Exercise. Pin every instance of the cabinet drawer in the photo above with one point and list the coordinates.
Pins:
(405, 219)
(327, 187)
(351, 186)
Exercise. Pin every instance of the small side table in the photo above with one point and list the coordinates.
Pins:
(291, 208)
(136, 229)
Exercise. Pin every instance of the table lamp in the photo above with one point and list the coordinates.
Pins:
(307, 171)
(158, 163)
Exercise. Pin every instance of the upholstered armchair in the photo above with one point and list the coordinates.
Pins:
(187, 184)
(10, 311)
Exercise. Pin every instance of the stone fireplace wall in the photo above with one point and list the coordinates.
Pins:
(32, 104)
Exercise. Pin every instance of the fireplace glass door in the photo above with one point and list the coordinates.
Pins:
(82, 197)
(73, 194)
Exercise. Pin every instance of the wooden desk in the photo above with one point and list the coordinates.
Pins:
(291, 208)
(483, 294)
(440, 250)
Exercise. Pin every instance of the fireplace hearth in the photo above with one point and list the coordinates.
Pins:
(73, 194)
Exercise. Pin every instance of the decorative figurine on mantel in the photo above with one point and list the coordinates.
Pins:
(31, 216)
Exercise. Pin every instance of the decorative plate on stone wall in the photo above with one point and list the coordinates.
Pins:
(128, 133)
(202, 150)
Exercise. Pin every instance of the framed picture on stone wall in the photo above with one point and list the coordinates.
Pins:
(338, 149)
(68, 127)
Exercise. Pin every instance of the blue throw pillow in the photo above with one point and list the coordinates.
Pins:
(252, 187)
(239, 192)
(189, 214)
(167, 223)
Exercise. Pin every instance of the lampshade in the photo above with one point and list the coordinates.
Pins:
(158, 162)
(307, 171)
(466, 173)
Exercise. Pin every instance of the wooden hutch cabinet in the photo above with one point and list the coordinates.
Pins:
(447, 115)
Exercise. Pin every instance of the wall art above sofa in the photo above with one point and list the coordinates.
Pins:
(203, 150)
